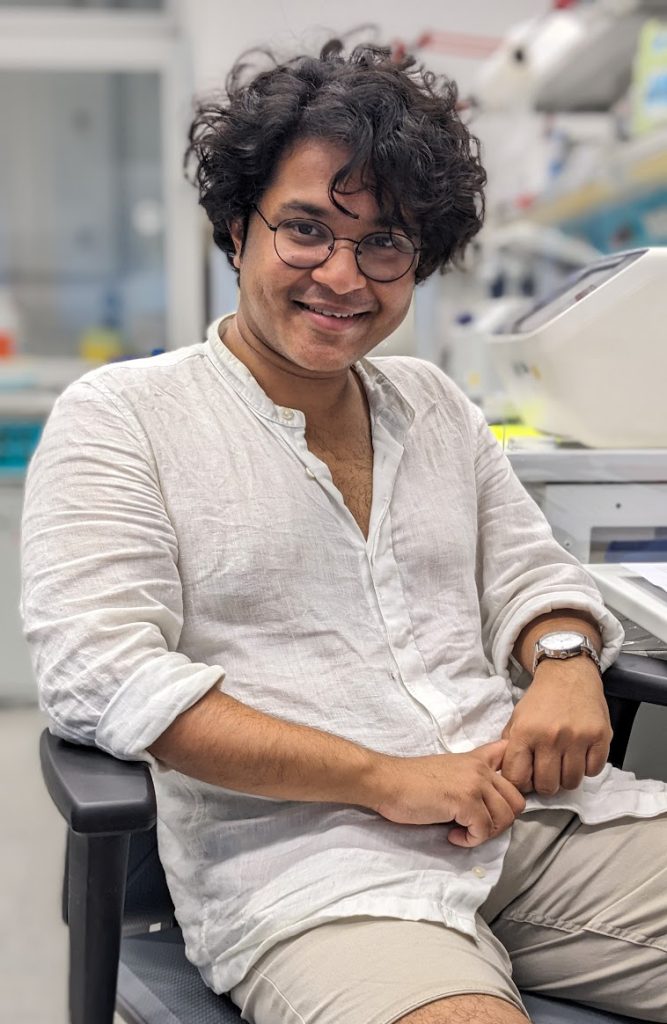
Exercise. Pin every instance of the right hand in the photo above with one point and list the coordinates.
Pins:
(465, 789)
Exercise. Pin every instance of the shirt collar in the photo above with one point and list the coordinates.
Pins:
(386, 402)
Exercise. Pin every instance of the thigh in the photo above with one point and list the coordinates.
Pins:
(592, 926)
(366, 970)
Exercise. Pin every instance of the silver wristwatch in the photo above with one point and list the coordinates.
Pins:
(564, 644)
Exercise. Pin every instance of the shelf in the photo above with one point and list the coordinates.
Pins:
(630, 169)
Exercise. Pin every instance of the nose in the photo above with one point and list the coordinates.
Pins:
(340, 273)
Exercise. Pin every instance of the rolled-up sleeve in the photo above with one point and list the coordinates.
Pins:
(522, 572)
(101, 596)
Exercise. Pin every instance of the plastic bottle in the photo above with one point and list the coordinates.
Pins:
(9, 323)
(103, 342)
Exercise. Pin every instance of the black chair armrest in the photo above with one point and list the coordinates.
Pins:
(629, 681)
(96, 793)
(634, 677)
(104, 802)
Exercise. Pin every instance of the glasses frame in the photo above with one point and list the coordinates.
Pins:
(332, 248)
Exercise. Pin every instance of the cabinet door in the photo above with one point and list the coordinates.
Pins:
(81, 212)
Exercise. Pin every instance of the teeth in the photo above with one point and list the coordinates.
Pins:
(324, 312)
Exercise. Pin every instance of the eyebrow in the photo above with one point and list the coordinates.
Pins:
(319, 212)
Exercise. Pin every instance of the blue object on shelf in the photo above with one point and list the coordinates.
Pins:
(650, 550)
(18, 440)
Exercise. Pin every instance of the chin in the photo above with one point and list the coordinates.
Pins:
(331, 364)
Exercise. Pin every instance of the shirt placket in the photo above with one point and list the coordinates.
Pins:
(377, 559)
(385, 579)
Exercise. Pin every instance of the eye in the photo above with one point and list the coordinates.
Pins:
(308, 231)
(389, 243)
(382, 240)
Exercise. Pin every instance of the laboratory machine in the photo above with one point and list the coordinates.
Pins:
(587, 365)
(589, 362)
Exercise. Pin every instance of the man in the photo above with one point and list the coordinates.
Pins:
(293, 579)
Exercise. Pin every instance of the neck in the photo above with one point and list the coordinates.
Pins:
(315, 394)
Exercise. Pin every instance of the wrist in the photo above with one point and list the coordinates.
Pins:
(376, 780)
(578, 671)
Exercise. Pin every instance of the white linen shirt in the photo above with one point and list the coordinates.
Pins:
(179, 535)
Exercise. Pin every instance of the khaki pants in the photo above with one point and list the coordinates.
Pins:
(579, 912)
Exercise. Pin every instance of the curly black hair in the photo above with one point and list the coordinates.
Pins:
(398, 121)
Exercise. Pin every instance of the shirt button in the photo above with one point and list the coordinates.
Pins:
(287, 414)
(309, 473)
(479, 871)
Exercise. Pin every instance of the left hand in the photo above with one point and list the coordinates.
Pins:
(560, 730)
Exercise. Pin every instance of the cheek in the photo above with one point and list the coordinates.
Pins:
(397, 306)
(265, 298)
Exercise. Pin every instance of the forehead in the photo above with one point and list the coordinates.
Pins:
(303, 175)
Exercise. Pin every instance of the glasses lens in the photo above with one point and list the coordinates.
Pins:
(382, 256)
(303, 243)
(385, 255)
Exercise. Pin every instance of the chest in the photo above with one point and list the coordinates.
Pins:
(349, 458)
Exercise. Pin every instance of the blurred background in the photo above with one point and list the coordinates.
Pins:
(105, 255)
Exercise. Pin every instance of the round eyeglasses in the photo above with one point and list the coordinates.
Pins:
(305, 244)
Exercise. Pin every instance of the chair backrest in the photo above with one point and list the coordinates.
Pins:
(147, 899)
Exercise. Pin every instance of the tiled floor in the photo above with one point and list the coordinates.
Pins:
(33, 939)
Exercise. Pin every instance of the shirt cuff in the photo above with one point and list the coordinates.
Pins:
(610, 628)
(149, 701)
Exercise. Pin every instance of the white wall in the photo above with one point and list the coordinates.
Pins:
(221, 29)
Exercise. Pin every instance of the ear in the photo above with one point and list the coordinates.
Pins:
(236, 231)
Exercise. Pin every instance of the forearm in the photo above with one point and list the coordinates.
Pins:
(226, 743)
(563, 619)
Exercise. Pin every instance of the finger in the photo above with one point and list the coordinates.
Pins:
(459, 836)
(492, 753)
(573, 766)
(547, 771)
(596, 757)
(472, 829)
(517, 766)
(511, 794)
(502, 813)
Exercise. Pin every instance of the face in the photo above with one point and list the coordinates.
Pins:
(277, 302)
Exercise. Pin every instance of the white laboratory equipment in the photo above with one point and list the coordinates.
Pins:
(639, 591)
(589, 362)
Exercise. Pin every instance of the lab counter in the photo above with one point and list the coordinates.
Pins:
(597, 500)
(626, 591)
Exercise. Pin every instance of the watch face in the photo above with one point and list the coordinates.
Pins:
(563, 641)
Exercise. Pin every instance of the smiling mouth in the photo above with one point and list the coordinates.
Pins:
(330, 312)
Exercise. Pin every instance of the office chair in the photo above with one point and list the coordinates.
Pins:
(126, 950)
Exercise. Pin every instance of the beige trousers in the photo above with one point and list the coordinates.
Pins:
(579, 912)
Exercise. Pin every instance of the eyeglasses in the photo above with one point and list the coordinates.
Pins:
(305, 244)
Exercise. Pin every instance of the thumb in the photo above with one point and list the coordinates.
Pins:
(493, 753)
